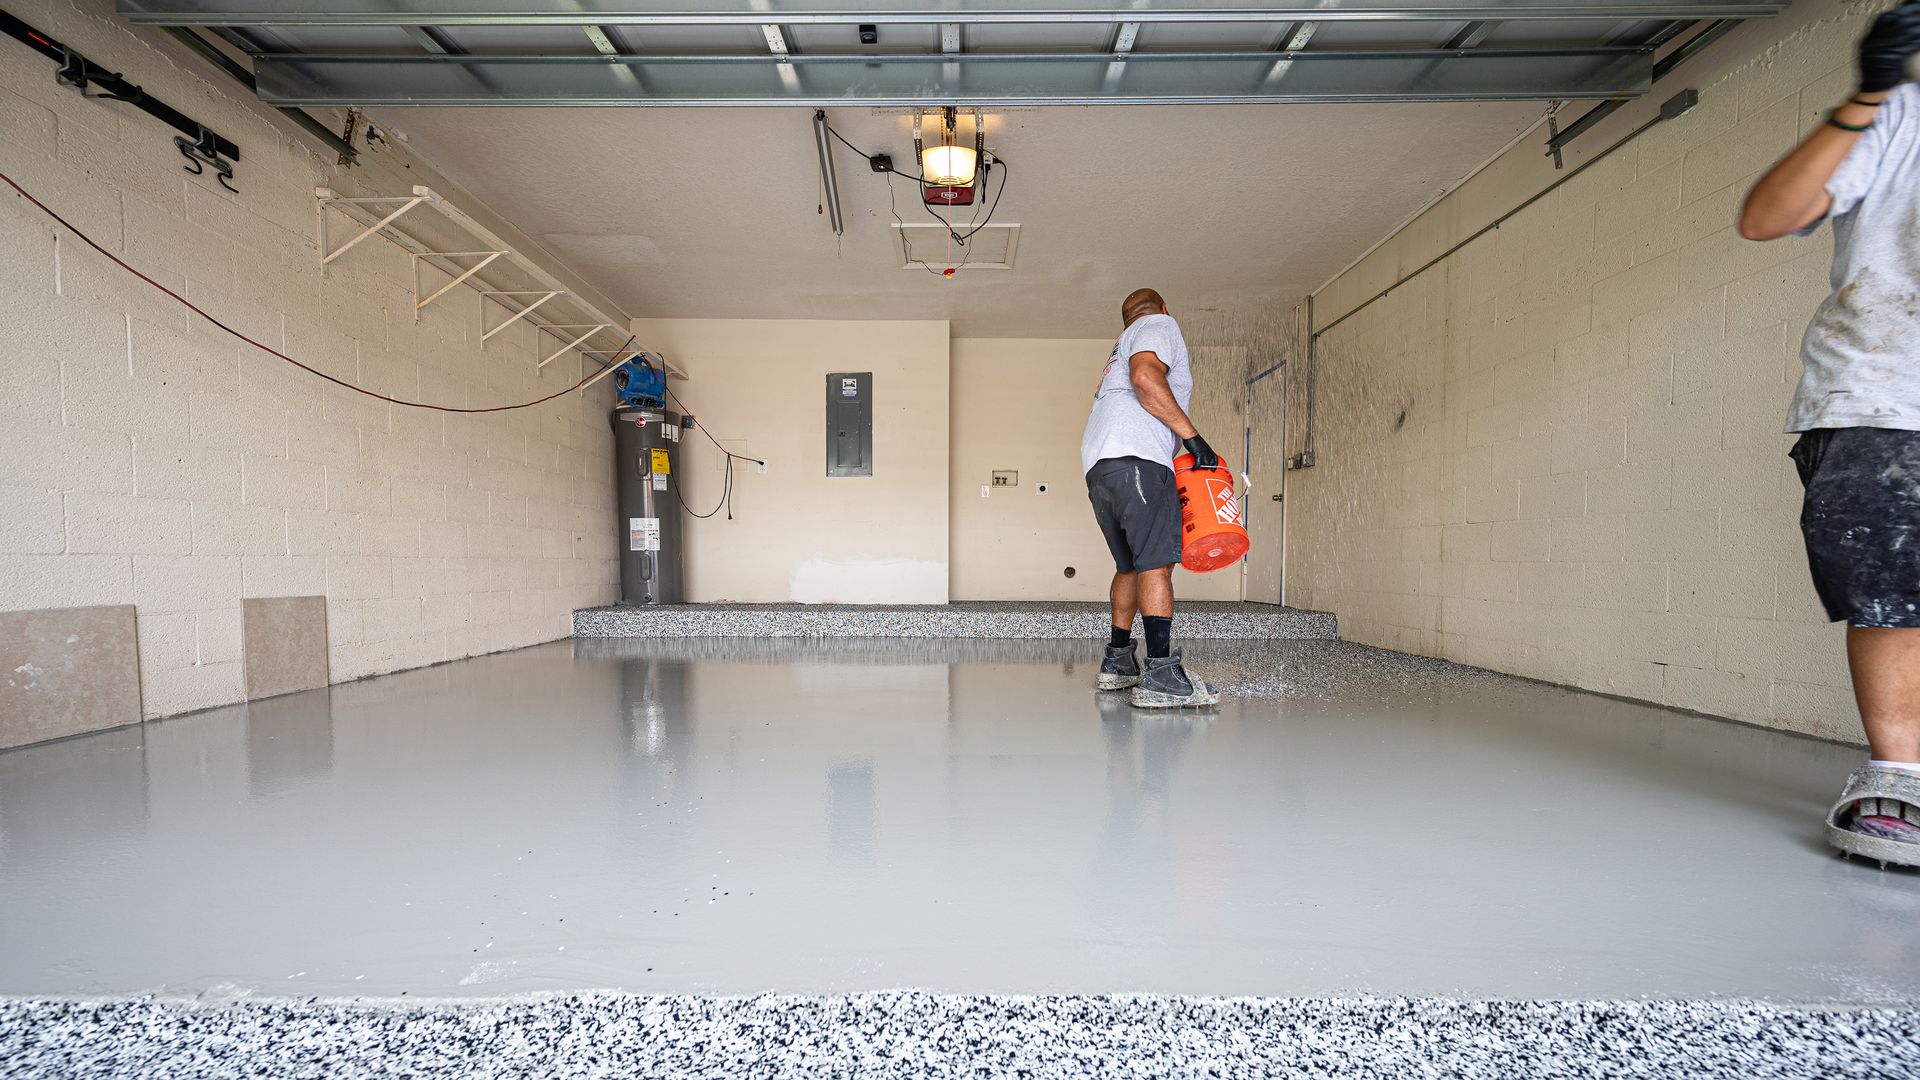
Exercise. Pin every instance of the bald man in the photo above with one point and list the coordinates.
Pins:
(1139, 418)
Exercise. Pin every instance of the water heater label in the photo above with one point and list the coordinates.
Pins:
(661, 466)
(659, 482)
(643, 534)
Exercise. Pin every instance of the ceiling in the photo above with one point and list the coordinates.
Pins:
(713, 213)
(934, 52)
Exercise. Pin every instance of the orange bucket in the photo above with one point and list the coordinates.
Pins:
(1213, 532)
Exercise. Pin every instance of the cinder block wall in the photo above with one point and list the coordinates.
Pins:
(1559, 452)
(151, 460)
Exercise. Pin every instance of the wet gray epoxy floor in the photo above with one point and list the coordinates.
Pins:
(803, 816)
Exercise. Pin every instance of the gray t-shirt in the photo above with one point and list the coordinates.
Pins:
(1118, 427)
(1862, 350)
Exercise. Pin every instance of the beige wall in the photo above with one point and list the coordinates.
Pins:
(1559, 452)
(151, 460)
(798, 534)
(1022, 404)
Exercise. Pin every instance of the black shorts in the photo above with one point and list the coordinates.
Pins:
(1861, 521)
(1138, 510)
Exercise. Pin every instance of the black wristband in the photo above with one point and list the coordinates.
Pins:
(1833, 120)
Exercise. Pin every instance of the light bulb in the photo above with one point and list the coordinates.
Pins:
(948, 166)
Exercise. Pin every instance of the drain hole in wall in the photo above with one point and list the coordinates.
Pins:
(1069, 571)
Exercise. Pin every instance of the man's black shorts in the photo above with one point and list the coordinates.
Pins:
(1138, 510)
(1861, 521)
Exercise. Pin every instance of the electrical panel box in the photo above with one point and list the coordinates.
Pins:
(850, 423)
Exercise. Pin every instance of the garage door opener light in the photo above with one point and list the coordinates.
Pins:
(947, 164)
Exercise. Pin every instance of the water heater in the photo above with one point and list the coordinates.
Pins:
(646, 445)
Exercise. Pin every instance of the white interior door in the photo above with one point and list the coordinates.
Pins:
(1266, 488)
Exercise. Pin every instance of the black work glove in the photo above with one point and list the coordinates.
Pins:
(1893, 39)
(1203, 455)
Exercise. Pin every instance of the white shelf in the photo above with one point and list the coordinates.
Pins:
(475, 249)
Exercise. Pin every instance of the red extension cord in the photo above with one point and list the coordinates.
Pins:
(191, 306)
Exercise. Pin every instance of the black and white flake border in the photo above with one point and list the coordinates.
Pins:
(967, 620)
(906, 1034)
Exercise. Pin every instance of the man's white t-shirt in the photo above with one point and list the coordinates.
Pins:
(1862, 350)
(1118, 426)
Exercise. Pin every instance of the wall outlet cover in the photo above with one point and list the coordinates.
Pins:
(762, 468)
(986, 491)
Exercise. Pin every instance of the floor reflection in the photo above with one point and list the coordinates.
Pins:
(289, 741)
(1140, 846)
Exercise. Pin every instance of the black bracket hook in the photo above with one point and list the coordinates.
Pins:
(81, 73)
(205, 152)
(74, 70)
(198, 145)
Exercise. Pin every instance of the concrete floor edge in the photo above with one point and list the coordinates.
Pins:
(243, 702)
(219, 998)
(1857, 744)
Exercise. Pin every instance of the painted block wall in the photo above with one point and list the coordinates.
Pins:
(797, 534)
(1022, 404)
(1559, 452)
(151, 460)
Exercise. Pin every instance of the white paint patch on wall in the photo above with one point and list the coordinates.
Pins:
(862, 580)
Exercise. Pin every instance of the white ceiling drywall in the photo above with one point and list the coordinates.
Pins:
(712, 213)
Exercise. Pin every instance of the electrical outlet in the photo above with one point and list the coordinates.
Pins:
(881, 162)
(1042, 488)
(1006, 478)
(761, 467)
(986, 491)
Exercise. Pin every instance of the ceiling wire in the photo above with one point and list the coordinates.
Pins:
(906, 245)
(726, 487)
(997, 162)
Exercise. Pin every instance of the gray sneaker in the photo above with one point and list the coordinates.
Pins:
(1119, 670)
(1166, 685)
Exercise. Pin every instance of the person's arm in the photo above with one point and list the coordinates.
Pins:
(1793, 194)
(1149, 377)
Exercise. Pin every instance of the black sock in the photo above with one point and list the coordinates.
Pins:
(1120, 638)
(1159, 635)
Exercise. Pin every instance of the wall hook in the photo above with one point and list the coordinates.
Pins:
(80, 73)
(200, 146)
(205, 152)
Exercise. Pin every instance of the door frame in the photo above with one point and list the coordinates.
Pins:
(1247, 457)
